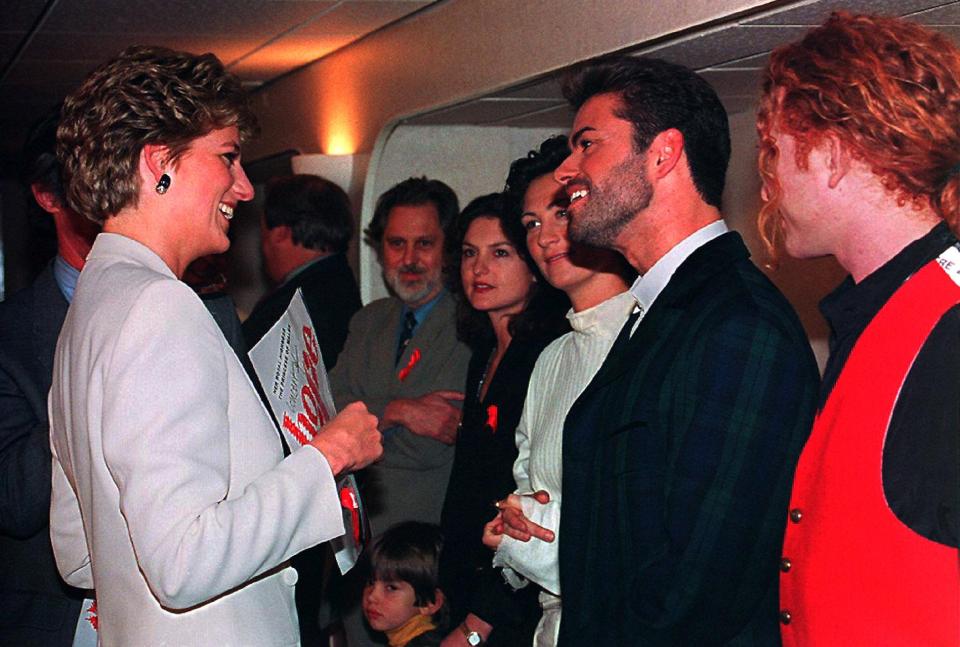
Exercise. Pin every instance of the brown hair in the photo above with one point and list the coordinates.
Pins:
(543, 316)
(412, 191)
(409, 552)
(888, 89)
(146, 95)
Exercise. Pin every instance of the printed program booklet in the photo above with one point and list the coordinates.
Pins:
(288, 364)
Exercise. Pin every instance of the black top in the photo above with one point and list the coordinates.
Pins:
(483, 473)
(37, 607)
(921, 455)
(224, 312)
(678, 459)
(331, 295)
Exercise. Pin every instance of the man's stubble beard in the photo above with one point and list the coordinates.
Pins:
(612, 207)
(410, 295)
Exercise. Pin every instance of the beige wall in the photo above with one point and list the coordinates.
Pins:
(455, 50)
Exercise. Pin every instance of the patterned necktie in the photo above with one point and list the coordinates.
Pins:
(626, 332)
(409, 323)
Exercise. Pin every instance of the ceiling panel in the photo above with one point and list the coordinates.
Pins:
(559, 117)
(285, 54)
(258, 39)
(486, 111)
(545, 89)
(263, 39)
(730, 56)
(30, 95)
(19, 15)
(38, 73)
(814, 13)
(720, 46)
(56, 49)
(254, 19)
(948, 14)
(360, 16)
(325, 32)
(753, 62)
(9, 41)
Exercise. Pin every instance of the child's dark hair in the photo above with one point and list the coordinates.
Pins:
(409, 552)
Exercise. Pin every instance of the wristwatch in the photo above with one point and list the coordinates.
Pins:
(473, 637)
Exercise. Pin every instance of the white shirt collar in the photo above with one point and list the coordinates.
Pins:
(648, 286)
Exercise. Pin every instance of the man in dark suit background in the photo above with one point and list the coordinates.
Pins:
(36, 607)
(304, 232)
(678, 457)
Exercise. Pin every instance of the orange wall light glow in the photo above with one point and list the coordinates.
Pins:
(339, 125)
(338, 142)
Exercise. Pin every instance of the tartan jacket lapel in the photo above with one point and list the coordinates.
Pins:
(696, 270)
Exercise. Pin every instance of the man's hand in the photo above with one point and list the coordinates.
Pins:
(515, 524)
(432, 415)
(351, 440)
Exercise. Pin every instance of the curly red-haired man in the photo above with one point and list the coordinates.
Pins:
(860, 156)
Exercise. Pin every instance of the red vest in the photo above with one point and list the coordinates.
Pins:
(853, 575)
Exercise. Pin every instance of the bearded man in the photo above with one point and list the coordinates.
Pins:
(678, 456)
(402, 357)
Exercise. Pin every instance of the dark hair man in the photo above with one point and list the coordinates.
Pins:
(859, 155)
(403, 360)
(304, 233)
(30, 320)
(678, 456)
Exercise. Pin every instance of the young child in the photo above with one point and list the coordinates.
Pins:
(402, 597)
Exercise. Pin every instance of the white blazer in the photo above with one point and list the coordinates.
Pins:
(171, 495)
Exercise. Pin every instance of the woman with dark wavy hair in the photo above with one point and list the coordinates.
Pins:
(171, 495)
(507, 314)
(595, 280)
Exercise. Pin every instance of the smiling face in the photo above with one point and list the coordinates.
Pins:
(545, 219)
(604, 176)
(496, 279)
(389, 604)
(412, 253)
(207, 184)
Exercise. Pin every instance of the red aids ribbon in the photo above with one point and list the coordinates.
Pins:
(92, 618)
(348, 501)
(492, 418)
(405, 371)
